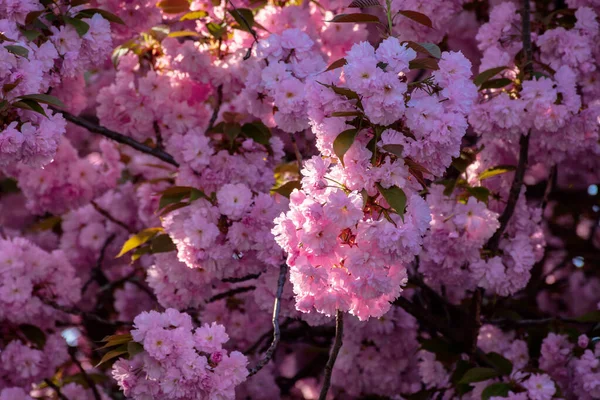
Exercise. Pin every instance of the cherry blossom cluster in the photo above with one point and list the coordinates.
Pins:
(32, 64)
(346, 249)
(552, 100)
(179, 361)
(231, 237)
(567, 367)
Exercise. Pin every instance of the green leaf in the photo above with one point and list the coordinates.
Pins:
(349, 94)
(139, 239)
(34, 335)
(174, 6)
(346, 114)
(172, 195)
(343, 142)
(80, 26)
(258, 132)
(487, 74)
(139, 252)
(17, 50)
(30, 105)
(232, 130)
(134, 348)
(395, 149)
(424, 63)
(444, 351)
(497, 170)
(243, 17)
(31, 34)
(46, 224)
(461, 368)
(478, 374)
(162, 244)
(495, 83)
(480, 193)
(216, 30)
(499, 389)
(89, 13)
(43, 98)
(287, 188)
(196, 194)
(192, 15)
(592, 316)
(356, 18)
(336, 64)
(417, 17)
(183, 34)
(395, 197)
(119, 351)
(500, 363)
(116, 340)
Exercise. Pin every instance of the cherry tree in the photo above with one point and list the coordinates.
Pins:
(252, 199)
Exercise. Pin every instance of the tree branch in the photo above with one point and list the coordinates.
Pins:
(85, 375)
(232, 292)
(117, 137)
(241, 279)
(60, 394)
(109, 216)
(276, 331)
(215, 113)
(335, 350)
(97, 273)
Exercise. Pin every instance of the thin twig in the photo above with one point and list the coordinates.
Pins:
(117, 137)
(335, 350)
(526, 37)
(550, 185)
(86, 377)
(515, 189)
(242, 279)
(542, 321)
(231, 292)
(276, 330)
(513, 196)
(109, 216)
(86, 315)
(97, 273)
(248, 27)
(60, 394)
(159, 139)
(215, 113)
(297, 152)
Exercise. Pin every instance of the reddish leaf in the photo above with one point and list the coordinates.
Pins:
(356, 18)
(417, 17)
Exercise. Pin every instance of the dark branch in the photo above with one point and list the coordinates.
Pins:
(60, 394)
(335, 350)
(215, 113)
(86, 377)
(513, 196)
(117, 137)
(109, 216)
(97, 273)
(276, 330)
(242, 279)
(248, 27)
(231, 292)
(86, 315)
